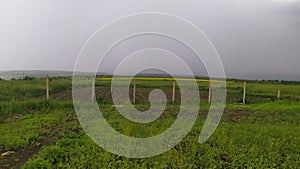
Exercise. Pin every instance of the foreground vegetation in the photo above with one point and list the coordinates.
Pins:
(36, 133)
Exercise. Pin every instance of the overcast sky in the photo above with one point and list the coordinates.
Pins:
(254, 38)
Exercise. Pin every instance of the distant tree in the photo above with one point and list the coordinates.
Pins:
(28, 78)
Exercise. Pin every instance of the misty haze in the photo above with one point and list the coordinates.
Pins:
(255, 39)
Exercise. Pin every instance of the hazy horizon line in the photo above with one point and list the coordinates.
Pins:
(244, 76)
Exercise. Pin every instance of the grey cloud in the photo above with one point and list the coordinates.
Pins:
(255, 38)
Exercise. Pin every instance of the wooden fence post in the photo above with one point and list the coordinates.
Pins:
(47, 87)
(134, 90)
(244, 94)
(209, 93)
(173, 93)
(93, 90)
(278, 94)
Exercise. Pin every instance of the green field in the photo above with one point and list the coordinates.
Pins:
(39, 133)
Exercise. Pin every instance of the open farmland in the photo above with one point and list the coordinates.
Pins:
(40, 133)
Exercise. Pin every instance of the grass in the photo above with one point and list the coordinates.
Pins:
(30, 128)
(264, 133)
(242, 145)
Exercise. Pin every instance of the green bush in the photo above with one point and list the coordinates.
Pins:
(37, 163)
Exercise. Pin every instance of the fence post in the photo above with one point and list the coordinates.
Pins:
(134, 90)
(244, 94)
(93, 90)
(209, 93)
(278, 94)
(47, 87)
(173, 93)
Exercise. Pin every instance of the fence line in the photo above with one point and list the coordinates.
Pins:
(244, 94)
(134, 91)
(209, 97)
(93, 91)
(173, 92)
(209, 93)
(47, 87)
